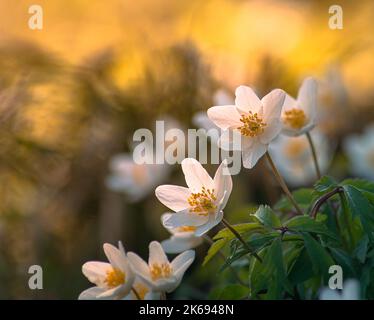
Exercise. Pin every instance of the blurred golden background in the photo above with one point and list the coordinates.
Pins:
(73, 93)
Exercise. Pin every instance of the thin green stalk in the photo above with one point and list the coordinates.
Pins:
(239, 237)
(283, 184)
(236, 275)
(314, 154)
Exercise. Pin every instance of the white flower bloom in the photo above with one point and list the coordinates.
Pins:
(182, 238)
(160, 274)
(257, 121)
(143, 291)
(135, 180)
(200, 205)
(113, 280)
(360, 150)
(294, 159)
(351, 291)
(299, 116)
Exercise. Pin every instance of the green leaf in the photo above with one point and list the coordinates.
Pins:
(267, 217)
(361, 249)
(304, 197)
(302, 269)
(325, 184)
(213, 250)
(360, 207)
(361, 184)
(321, 260)
(308, 224)
(364, 186)
(241, 228)
(345, 261)
(233, 292)
(257, 242)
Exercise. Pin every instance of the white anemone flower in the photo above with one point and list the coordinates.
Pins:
(299, 116)
(181, 239)
(160, 274)
(293, 157)
(360, 151)
(351, 291)
(200, 205)
(142, 291)
(257, 121)
(135, 180)
(113, 280)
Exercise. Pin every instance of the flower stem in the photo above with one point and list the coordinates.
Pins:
(237, 235)
(283, 184)
(317, 205)
(163, 296)
(236, 275)
(136, 293)
(314, 153)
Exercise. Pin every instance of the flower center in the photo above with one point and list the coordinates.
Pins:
(202, 202)
(295, 118)
(186, 229)
(160, 271)
(252, 125)
(141, 290)
(115, 277)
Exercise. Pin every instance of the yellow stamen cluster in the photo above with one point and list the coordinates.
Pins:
(295, 118)
(115, 277)
(252, 125)
(160, 271)
(186, 229)
(141, 290)
(202, 202)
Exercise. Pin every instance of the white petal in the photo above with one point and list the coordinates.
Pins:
(230, 140)
(156, 254)
(271, 132)
(91, 293)
(116, 293)
(214, 219)
(116, 258)
(196, 176)
(178, 244)
(165, 217)
(224, 117)
(273, 103)
(307, 98)
(289, 103)
(223, 183)
(246, 100)
(140, 267)
(174, 197)
(95, 271)
(252, 155)
(183, 261)
(185, 218)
